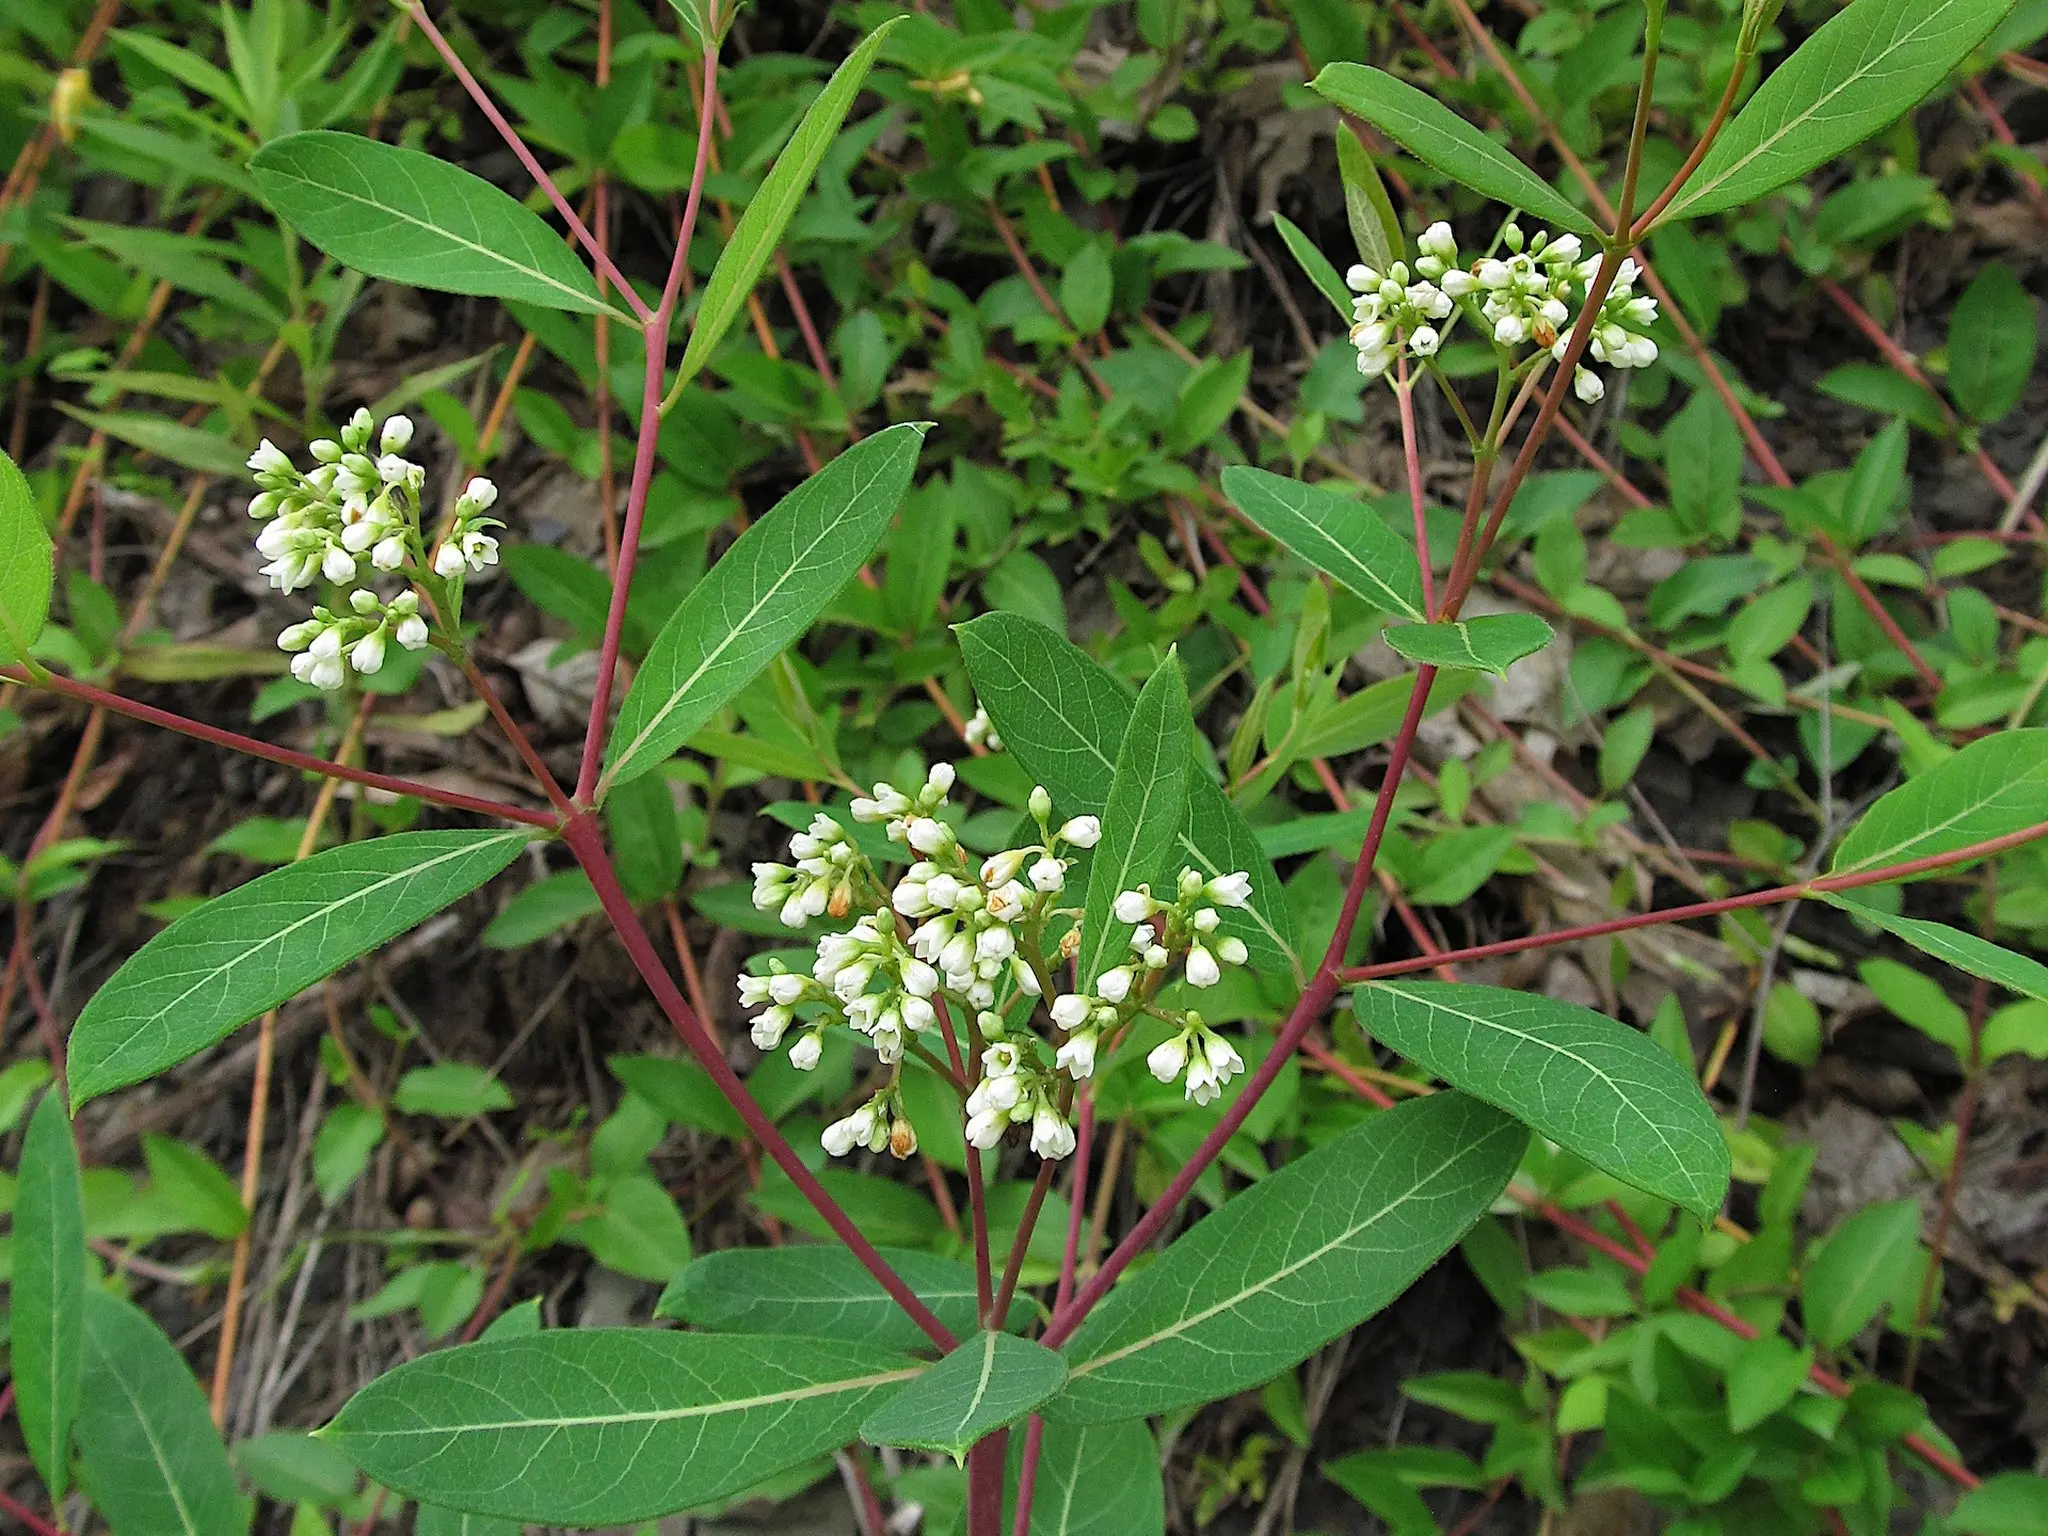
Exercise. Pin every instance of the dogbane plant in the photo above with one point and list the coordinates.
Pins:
(1021, 979)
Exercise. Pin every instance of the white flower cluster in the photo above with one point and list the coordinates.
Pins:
(353, 517)
(320, 645)
(959, 937)
(1527, 296)
(1209, 1060)
(1186, 925)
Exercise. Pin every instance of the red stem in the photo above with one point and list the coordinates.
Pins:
(985, 1485)
(1034, 1432)
(250, 746)
(521, 742)
(1880, 876)
(1027, 1469)
(518, 147)
(581, 836)
(656, 339)
(1321, 990)
(1014, 1268)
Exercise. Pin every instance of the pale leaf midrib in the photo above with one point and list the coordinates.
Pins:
(440, 229)
(1274, 1277)
(1889, 854)
(988, 1366)
(645, 1416)
(1350, 561)
(1705, 189)
(1545, 1045)
(734, 634)
(320, 914)
(156, 1449)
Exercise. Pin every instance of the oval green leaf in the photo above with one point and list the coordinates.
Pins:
(1095, 1480)
(403, 215)
(1858, 1268)
(1588, 1082)
(1436, 135)
(1300, 1257)
(146, 1443)
(823, 1292)
(1965, 951)
(770, 209)
(1063, 716)
(991, 1380)
(760, 596)
(1315, 264)
(1344, 539)
(1375, 227)
(48, 1295)
(1491, 643)
(1990, 788)
(263, 943)
(25, 565)
(1147, 806)
(1868, 65)
(605, 1426)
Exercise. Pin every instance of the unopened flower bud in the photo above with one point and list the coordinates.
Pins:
(1040, 802)
(1082, 831)
(1132, 906)
(902, 1138)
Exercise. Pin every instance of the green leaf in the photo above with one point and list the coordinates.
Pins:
(823, 1292)
(406, 216)
(1063, 717)
(1302, 1256)
(1992, 787)
(685, 1094)
(194, 448)
(293, 1466)
(147, 1447)
(1582, 1292)
(1375, 227)
(760, 596)
(1433, 133)
(1965, 951)
(1086, 288)
(1340, 537)
(991, 1380)
(1147, 806)
(48, 1295)
(195, 1189)
(547, 906)
(1491, 643)
(1096, 1480)
(452, 1090)
(2004, 1504)
(1992, 337)
(265, 942)
(604, 1426)
(770, 209)
(1765, 1377)
(1328, 281)
(1856, 1269)
(638, 1232)
(1590, 1084)
(342, 1149)
(26, 556)
(1867, 65)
